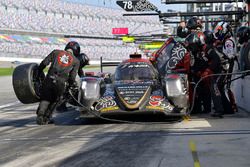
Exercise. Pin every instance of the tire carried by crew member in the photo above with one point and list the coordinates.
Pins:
(26, 83)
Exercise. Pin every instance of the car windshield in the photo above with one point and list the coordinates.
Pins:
(135, 71)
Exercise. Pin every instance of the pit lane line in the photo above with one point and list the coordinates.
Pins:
(192, 147)
(10, 104)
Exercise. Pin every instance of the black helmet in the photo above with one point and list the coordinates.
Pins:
(74, 46)
(195, 41)
(243, 34)
(209, 37)
(194, 23)
(222, 30)
(84, 59)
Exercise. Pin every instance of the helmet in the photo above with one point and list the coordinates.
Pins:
(194, 23)
(209, 37)
(74, 46)
(84, 59)
(195, 41)
(243, 34)
(222, 30)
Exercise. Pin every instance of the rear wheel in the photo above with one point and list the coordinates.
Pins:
(26, 84)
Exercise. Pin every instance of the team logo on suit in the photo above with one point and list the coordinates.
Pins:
(64, 60)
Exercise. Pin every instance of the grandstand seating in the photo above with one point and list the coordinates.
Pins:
(55, 16)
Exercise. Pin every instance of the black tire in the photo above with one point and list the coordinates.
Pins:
(26, 84)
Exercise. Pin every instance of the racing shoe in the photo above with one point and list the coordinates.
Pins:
(51, 121)
(217, 115)
(40, 120)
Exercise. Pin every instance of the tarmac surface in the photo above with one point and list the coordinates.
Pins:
(155, 142)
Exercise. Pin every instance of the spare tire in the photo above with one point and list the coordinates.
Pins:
(26, 84)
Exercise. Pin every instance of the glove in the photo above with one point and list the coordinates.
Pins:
(198, 74)
(206, 73)
(73, 88)
(73, 85)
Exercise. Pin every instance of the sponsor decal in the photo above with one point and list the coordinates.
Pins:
(138, 66)
(109, 109)
(155, 108)
(156, 100)
(64, 60)
(136, 5)
(126, 98)
(168, 106)
(132, 94)
(105, 102)
(178, 53)
(229, 45)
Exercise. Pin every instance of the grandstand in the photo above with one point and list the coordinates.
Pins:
(25, 23)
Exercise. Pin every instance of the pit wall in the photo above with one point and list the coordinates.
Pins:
(241, 89)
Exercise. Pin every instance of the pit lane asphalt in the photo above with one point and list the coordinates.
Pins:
(72, 141)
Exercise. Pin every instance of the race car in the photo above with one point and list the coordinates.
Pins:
(136, 86)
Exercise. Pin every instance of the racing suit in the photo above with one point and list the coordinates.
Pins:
(62, 106)
(227, 52)
(82, 64)
(62, 71)
(202, 103)
(213, 67)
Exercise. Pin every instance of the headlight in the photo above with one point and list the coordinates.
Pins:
(84, 84)
(174, 85)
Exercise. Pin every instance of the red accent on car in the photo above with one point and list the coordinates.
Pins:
(133, 60)
(173, 76)
(89, 73)
(157, 53)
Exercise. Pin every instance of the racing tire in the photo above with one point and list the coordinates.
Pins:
(26, 84)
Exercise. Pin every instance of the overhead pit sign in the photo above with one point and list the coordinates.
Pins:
(136, 5)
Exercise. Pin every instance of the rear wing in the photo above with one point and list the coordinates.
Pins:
(108, 63)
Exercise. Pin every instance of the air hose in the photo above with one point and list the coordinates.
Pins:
(211, 75)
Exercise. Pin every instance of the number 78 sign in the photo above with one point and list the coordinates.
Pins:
(136, 5)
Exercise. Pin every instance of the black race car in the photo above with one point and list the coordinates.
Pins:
(137, 86)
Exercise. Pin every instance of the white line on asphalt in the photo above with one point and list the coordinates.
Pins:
(9, 104)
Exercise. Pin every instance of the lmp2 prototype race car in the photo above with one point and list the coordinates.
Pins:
(137, 86)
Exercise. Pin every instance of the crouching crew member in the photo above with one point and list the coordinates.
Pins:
(62, 71)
